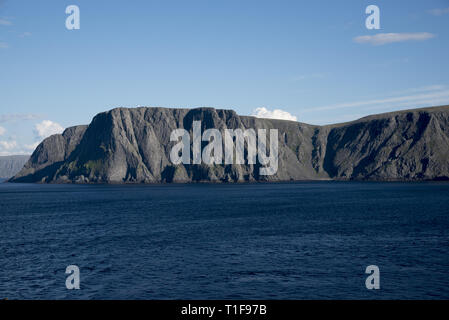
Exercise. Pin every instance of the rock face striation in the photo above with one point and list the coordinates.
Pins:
(133, 146)
(10, 165)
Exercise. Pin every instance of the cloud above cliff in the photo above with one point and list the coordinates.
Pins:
(31, 146)
(386, 38)
(7, 145)
(273, 114)
(47, 128)
(11, 117)
(433, 95)
(14, 139)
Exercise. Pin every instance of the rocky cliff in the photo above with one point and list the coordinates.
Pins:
(133, 146)
(11, 165)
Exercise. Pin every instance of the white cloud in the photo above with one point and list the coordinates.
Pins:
(439, 12)
(13, 153)
(2, 131)
(5, 22)
(31, 146)
(385, 38)
(430, 88)
(16, 117)
(47, 128)
(275, 114)
(7, 145)
(431, 97)
(4, 45)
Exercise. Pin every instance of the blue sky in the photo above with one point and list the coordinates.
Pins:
(314, 60)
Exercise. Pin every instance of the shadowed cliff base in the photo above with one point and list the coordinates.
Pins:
(133, 146)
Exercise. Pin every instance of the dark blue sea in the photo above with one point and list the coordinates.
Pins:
(310, 240)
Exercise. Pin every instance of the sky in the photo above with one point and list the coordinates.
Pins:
(310, 61)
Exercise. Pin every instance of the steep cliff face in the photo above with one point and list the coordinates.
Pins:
(11, 165)
(49, 155)
(410, 145)
(133, 146)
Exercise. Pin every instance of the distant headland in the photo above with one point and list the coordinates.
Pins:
(133, 145)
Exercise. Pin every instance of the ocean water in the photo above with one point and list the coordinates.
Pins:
(310, 240)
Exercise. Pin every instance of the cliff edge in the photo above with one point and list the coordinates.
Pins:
(133, 146)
